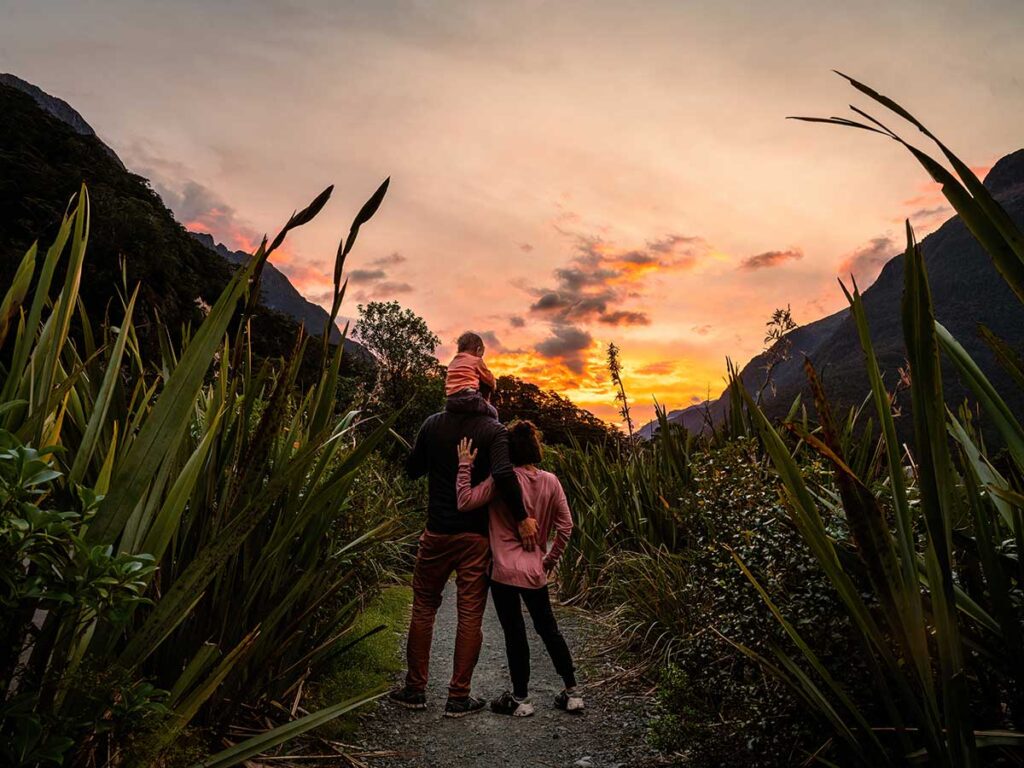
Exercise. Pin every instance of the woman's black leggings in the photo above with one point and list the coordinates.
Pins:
(510, 614)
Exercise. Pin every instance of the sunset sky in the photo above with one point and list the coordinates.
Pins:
(564, 174)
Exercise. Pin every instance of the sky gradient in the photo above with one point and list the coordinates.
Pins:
(564, 174)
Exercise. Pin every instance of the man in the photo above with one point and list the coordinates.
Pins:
(455, 542)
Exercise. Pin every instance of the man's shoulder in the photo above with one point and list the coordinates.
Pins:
(477, 422)
(427, 425)
(488, 424)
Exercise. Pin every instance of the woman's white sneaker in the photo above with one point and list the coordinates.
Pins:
(570, 701)
(507, 704)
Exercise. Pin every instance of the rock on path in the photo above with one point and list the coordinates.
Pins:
(609, 734)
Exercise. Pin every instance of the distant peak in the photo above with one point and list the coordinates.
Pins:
(55, 107)
(1007, 174)
(206, 239)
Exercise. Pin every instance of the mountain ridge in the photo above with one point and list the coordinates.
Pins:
(279, 294)
(56, 107)
(967, 292)
(47, 150)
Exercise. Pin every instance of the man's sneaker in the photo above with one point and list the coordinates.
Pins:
(507, 704)
(408, 698)
(570, 701)
(463, 707)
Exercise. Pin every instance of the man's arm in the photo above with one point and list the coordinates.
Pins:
(505, 476)
(416, 463)
(507, 483)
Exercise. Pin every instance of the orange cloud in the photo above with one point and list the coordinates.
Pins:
(591, 288)
(647, 375)
(662, 368)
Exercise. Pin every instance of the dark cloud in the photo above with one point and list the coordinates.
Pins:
(193, 201)
(640, 259)
(366, 275)
(392, 286)
(598, 285)
(550, 301)
(770, 259)
(623, 317)
(866, 262)
(576, 279)
(568, 344)
(201, 209)
(600, 278)
(525, 247)
(390, 260)
(569, 305)
(378, 282)
(701, 330)
(928, 212)
(491, 340)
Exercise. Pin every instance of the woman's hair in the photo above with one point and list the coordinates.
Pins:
(524, 443)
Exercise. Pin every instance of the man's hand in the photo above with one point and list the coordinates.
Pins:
(528, 533)
(467, 453)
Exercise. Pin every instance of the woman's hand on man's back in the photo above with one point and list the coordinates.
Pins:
(467, 453)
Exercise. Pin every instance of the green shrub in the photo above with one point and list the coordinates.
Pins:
(50, 575)
(195, 547)
(930, 590)
(681, 716)
(690, 606)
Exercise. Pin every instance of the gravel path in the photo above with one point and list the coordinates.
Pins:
(609, 734)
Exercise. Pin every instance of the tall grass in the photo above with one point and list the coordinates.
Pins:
(619, 503)
(232, 480)
(910, 646)
(941, 620)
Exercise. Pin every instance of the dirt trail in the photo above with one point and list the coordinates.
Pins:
(610, 734)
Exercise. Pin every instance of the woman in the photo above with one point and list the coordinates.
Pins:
(519, 576)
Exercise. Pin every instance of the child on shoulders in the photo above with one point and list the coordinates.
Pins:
(469, 383)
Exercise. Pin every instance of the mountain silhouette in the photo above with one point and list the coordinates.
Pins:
(58, 108)
(47, 150)
(967, 292)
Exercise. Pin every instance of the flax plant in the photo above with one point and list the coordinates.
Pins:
(231, 478)
(927, 630)
(621, 505)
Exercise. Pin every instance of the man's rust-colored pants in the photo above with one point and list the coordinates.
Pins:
(469, 556)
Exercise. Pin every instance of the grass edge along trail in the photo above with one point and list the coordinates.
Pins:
(373, 662)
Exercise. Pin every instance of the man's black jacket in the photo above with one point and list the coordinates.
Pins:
(435, 455)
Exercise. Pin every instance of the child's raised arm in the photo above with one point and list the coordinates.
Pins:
(486, 377)
(470, 497)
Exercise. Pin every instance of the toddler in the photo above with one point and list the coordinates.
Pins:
(469, 382)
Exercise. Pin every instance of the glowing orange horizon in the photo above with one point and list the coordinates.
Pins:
(661, 201)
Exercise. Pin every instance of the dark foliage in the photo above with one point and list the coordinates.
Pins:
(717, 706)
(968, 293)
(43, 163)
(561, 421)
